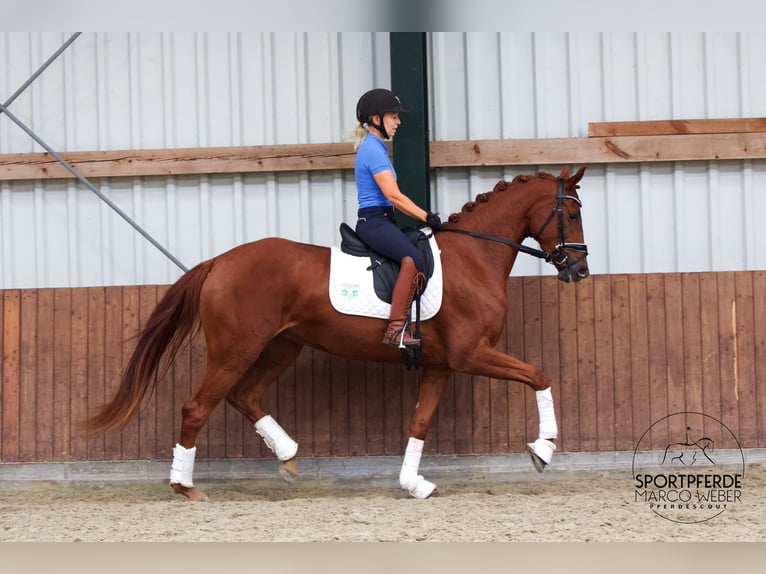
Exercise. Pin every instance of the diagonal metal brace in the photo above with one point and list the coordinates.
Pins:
(90, 186)
(62, 161)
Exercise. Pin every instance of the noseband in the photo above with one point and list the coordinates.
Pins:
(559, 256)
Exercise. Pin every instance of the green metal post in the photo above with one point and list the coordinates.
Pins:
(409, 81)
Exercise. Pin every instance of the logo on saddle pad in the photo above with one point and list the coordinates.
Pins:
(353, 292)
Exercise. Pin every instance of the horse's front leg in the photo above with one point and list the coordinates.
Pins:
(431, 385)
(489, 362)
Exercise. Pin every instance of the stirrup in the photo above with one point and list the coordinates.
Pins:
(397, 338)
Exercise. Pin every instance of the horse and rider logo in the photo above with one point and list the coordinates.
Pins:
(694, 476)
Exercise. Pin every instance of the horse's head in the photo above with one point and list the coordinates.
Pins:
(556, 224)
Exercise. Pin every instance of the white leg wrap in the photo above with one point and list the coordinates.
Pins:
(409, 479)
(183, 466)
(276, 438)
(548, 427)
(543, 448)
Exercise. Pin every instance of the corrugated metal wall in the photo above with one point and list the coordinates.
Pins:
(692, 216)
(131, 91)
(150, 90)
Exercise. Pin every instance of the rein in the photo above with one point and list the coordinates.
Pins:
(558, 256)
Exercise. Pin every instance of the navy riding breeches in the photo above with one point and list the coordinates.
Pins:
(376, 226)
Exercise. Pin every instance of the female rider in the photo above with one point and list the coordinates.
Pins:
(379, 198)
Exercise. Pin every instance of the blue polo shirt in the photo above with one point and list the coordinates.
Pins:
(371, 158)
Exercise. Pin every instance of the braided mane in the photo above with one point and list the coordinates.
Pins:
(500, 186)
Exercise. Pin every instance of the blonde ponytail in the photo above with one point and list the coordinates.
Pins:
(359, 134)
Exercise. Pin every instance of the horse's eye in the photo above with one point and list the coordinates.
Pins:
(573, 217)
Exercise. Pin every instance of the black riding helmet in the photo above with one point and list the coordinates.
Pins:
(376, 103)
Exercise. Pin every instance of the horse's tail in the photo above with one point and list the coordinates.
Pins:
(174, 318)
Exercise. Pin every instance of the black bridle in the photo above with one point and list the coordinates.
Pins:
(559, 256)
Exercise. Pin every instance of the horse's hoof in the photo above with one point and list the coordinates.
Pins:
(541, 452)
(289, 470)
(539, 463)
(423, 489)
(189, 492)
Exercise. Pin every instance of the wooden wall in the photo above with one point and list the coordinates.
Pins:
(623, 352)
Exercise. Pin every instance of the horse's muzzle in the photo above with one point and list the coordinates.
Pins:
(571, 270)
(573, 274)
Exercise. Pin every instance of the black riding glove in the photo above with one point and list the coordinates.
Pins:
(433, 221)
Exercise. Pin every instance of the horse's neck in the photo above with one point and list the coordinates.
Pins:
(506, 216)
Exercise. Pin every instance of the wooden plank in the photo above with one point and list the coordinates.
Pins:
(391, 405)
(498, 415)
(759, 335)
(586, 364)
(670, 127)
(28, 376)
(444, 423)
(45, 375)
(321, 403)
(339, 407)
(374, 406)
(180, 161)
(480, 418)
(78, 408)
(623, 391)
(9, 447)
(340, 156)
(726, 303)
(658, 372)
(569, 414)
(639, 365)
(692, 332)
(95, 372)
(463, 413)
(745, 340)
(675, 343)
(357, 408)
(598, 150)
(62, 360)
(711, 358)
(604, 371)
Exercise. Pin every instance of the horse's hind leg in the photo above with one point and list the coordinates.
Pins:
(223, 373)
(195, 413)
(247, 394)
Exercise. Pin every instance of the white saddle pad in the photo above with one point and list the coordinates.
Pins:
(352, 291)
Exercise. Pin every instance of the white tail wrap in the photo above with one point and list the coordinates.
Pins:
(183, 466)
(548, 426)
(276, 438)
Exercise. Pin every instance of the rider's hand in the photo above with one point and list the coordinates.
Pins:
(433, 221)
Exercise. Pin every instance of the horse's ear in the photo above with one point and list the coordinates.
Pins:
(576, 177)
(565, 172)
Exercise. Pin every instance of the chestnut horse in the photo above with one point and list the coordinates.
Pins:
(260, 303)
